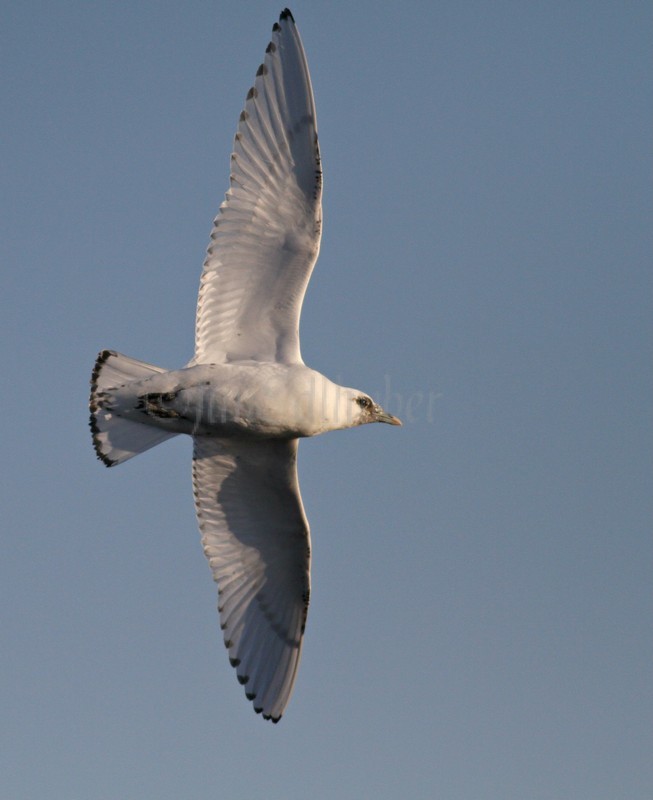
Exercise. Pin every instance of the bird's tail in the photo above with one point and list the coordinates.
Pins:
(116, 439)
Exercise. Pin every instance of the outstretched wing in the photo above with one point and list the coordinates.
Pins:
(256, 537)
(266, 237)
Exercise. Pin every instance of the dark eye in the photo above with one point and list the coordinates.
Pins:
(364, 402)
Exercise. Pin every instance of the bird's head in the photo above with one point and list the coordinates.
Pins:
(325, 406)
(366, 410)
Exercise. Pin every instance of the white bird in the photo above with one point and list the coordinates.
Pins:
(246, 397)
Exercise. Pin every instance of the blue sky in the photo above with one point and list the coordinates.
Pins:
(480, 623)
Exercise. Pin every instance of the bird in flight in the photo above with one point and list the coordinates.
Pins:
(246, 397)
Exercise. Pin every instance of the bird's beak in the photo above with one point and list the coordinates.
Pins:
(382, 416)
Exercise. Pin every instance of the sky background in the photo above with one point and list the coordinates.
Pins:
(480, 624)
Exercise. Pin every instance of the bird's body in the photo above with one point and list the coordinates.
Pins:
(246, 396)
(248, 400)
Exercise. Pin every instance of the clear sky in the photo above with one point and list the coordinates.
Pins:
(480, 623)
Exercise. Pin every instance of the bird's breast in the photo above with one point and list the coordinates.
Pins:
(226, 400)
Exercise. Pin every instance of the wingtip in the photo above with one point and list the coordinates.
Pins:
(286, 14)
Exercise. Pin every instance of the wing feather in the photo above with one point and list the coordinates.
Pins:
(256, 538)
(266, 237)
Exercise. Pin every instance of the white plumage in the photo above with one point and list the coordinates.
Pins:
(246, 397)
(266, 237)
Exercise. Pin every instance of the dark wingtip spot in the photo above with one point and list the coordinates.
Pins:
(276, 27)
(228, 643)
(262, 70)
(271, 48)
(234, 662)
(243, 116)
(250, 695)
(252, 93)
(257, 710)
(242, 679)
(286, 14)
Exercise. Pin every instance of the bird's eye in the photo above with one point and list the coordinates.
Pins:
(364, 402)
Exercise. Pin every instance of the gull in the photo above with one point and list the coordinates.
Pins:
(246, 397)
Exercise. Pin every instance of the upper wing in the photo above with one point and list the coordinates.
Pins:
(266, 237)
(256, 537)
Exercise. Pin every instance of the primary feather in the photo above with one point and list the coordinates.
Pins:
(266, 237)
